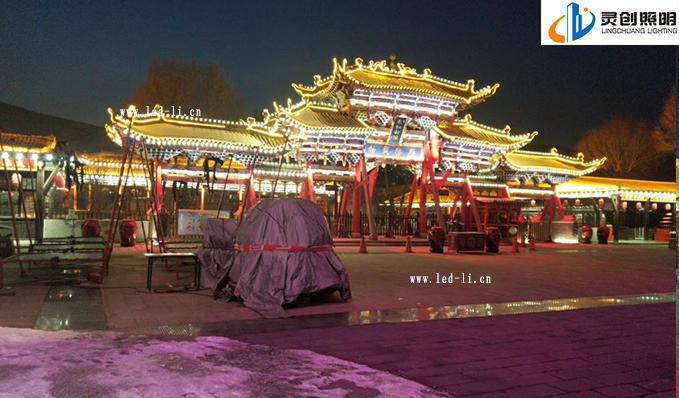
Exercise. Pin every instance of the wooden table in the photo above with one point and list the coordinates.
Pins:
(153, 257)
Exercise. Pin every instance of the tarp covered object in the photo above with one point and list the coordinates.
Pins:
(285, 250)
(216, 254)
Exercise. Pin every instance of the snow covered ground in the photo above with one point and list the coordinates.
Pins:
(106, 364)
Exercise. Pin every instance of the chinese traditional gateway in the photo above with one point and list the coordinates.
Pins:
(332, 142)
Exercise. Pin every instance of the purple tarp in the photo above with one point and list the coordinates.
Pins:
(285, 251)
(217, 252)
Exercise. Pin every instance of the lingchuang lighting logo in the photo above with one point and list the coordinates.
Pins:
(573, 21)
(609, 22)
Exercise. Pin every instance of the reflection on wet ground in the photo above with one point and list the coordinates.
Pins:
(370, 317)
(72, 308)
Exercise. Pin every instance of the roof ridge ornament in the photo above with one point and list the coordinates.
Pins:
(577, 164)
(406, 70)
(339, 67)
(374, 75)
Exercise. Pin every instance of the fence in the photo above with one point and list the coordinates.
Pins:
(385, 224)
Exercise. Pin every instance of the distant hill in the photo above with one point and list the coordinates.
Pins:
(78, 136)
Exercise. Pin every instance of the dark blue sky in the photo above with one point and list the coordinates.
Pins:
(74, 60)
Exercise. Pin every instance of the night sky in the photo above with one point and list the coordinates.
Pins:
(75, 60)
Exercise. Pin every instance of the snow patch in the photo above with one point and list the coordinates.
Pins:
(107, 364)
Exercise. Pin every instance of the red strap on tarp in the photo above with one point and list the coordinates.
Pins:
(292, 249)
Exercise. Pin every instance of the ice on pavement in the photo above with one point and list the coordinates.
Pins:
(107, 364)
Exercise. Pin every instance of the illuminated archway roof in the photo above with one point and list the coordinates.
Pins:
(378, 76)
(13, 142)
(465, 129)
(588, 186)
(551, 162)
(311, 116)
(108, 163)
(185, 131)
(327, 126)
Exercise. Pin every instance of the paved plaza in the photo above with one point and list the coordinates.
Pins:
(566, 320)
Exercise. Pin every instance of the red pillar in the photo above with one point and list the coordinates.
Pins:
(464, 211)
(422, 225)
(343, 208)
(160, 189)
(356, 210)
(558, 205)
(469, 194)
(356, 201)
(308, 189)
(411, 197)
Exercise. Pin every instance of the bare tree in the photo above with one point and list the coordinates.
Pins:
(189, 85)
(664, 135)
(627, 145)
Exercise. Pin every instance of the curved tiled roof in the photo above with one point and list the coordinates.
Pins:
(379, 76)
(465, 129)
(108, 163)
(14, 142)
(551, 162)
(317, 117)
(188, 131)
(603, 183)
(641, 190)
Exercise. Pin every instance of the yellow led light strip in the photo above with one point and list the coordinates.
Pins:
(519, 140)
(578, 164)
(380, 68)
(157, 117)
(15, 142)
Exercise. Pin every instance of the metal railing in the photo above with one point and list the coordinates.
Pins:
(385, 224)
